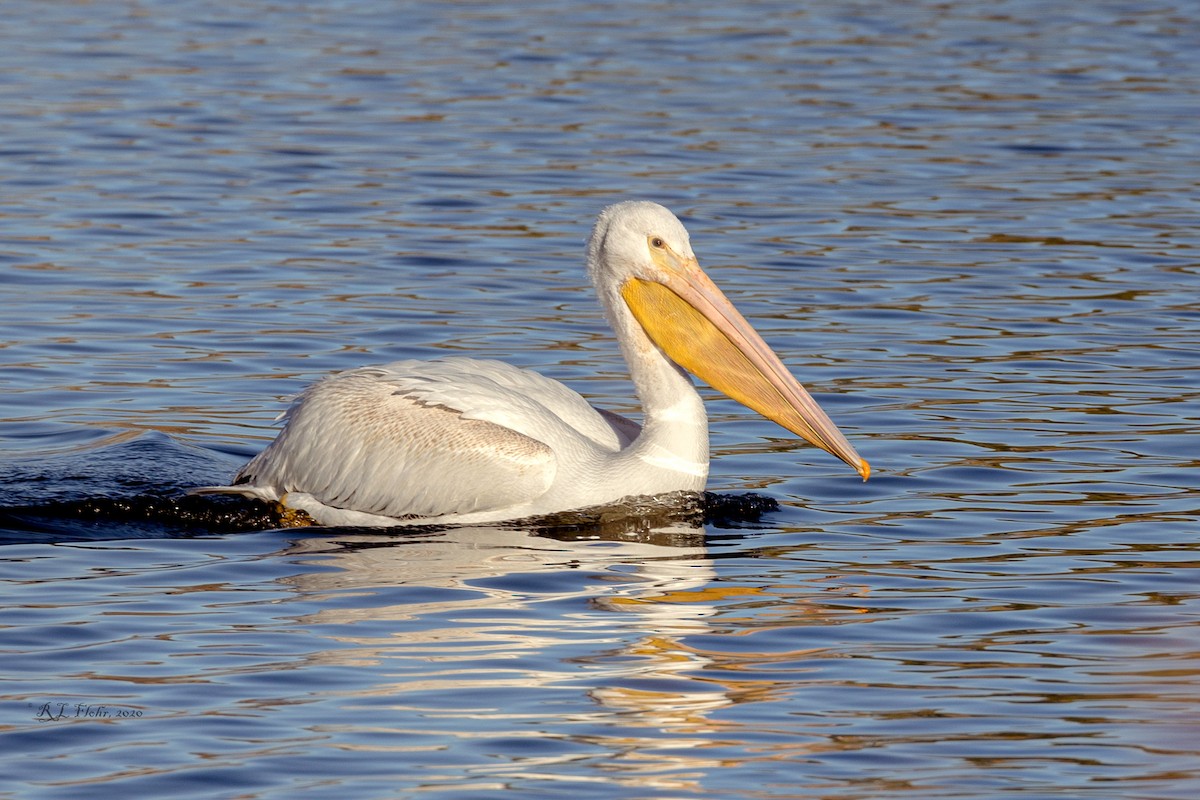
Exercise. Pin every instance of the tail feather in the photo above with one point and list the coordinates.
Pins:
(264, 493)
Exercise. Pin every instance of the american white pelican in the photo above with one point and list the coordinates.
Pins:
(458, 440)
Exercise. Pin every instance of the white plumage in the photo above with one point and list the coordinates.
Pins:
(460, 440)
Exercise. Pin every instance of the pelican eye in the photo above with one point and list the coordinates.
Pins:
(657, 242)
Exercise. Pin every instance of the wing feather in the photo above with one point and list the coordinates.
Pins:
(358, 442)
(428, 438)
(515, 398)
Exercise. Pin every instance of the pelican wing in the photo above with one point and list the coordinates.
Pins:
(516, 398)
(426, 438)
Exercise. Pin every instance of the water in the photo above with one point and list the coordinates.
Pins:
(969, 228)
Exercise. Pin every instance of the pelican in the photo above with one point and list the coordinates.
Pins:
(459, 440)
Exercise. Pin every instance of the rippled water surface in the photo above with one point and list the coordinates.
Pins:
(971, 229)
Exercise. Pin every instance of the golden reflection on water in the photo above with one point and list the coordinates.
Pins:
(627, 607)
(638, 618)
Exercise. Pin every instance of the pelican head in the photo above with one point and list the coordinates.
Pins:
(640, 258)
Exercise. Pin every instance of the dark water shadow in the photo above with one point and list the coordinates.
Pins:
(137, 488)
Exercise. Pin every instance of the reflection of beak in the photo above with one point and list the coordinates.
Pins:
(693, 322)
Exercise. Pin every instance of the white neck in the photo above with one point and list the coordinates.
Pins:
(672, 448)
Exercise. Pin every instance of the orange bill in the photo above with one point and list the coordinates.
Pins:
(693, 322)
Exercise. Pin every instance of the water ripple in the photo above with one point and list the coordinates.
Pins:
(969, 228)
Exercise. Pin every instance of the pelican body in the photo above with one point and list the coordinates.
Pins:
(460, 440)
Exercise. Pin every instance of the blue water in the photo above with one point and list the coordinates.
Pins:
(970, 229)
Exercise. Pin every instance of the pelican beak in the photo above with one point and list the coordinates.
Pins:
(691, 320)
